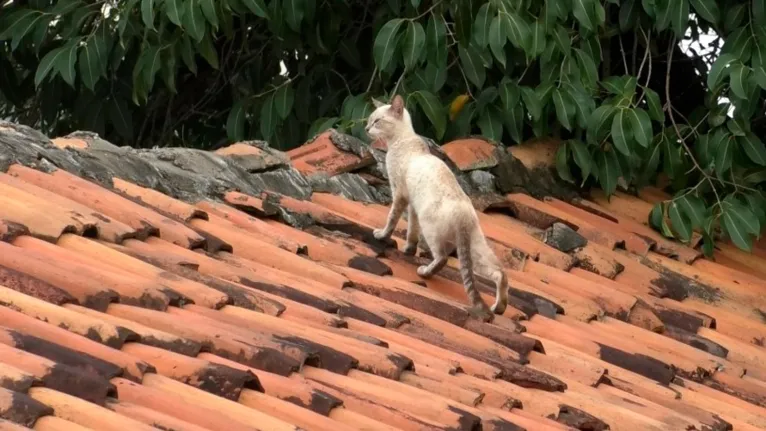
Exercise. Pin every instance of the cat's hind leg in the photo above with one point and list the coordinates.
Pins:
(501, 295)
(413, 232)
(438, 248)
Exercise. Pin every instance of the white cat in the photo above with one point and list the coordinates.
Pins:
(437, 205)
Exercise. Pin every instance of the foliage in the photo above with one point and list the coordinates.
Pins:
(599, 73)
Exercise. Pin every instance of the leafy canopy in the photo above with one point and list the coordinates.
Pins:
(606, 76)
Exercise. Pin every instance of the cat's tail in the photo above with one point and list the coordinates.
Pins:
(463, 246)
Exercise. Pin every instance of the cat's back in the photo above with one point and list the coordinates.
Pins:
(429, 175)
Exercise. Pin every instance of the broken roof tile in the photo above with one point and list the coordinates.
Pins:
(158, 201)
(322, 155)
(144, 220)
(116, 261)
(108, 228)
(471, 154)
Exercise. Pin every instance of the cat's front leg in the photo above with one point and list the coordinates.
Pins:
(397, 208)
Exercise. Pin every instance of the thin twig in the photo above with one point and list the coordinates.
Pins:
(372, 79)
(669, 105)
(624, 60)
(647, 57)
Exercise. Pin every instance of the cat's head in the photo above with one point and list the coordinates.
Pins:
(388, 121)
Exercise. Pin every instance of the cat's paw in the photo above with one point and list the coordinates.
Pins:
(498, 308)
(481, 312)
(423, 271)
(379, 234)
(410, 249)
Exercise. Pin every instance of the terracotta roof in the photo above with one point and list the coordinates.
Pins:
(131, 300)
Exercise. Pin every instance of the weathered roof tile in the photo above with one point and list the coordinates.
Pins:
(122, 306)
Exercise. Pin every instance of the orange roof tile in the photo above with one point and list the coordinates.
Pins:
(122, 307)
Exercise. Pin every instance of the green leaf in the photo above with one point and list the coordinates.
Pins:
(21, 22)
(436, 41)
(582, 11)
(734, 16)
(436, 76)
(581, 156)
(320, 125)
(656, 216)
(235, 123)
(562, 165)
(598, 121)
(517, 30)
(472, 65)
(497, 39)
(629, 13)
(257, 7)
(90, 64)
(294, 12)
(194, 20)
(584, 103)
(716, 71)
(208, 52)
(536, 42)
(681, 224)
(481, 26)
(152, 66)
(565, 108)
(283, 100)
(415, 3)
(587, 66)
(608, 170)
(739, 44)
(739, 74)
(66, 63)
(268, 117)
(174, 11)
(208, 9)
(737, 220)
(664, 14)
(621, 131)
(641, 126)
(147, 13)
(562, 40)
(40, 33)
(759, 12)
(736, 127)
(490, 125)
(532, 102)
(708, 9)
(680, 17)
(724, 156)
(693, 207)
(486, 97)
(48, 64)
(414, 42)
(652, 162)
(120, 117)
(385, 43)
(187, 55)
(654, 104)
(754, 148)
(514, 122)
(434, 110)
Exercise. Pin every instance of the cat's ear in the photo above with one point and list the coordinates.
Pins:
(397, 106)
(377, 103)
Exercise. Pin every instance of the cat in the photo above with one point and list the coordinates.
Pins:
(437, 207)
